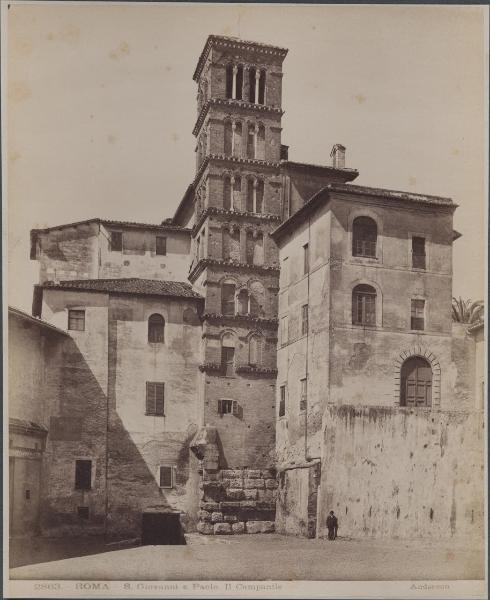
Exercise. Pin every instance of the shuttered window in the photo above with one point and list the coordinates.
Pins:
(76, 320)
(155, 392)
(116, 241)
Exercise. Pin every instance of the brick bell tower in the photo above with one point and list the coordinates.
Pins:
(236, 205)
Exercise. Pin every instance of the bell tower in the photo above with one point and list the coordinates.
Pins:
(236, 205)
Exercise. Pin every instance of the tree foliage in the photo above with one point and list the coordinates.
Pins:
(467, 311)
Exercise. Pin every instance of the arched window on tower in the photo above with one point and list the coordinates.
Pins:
(229, 81)
(237, 192)
(251, 84)
(228, 354)
(243, 302)
(251, 141)
(262, 87)
(260, 143)
(255, 248)
(239, 83)
(228, 138)
(364, 237)
(237, 138)
(227, 199)
(257, 299)
(156, 329)
(250, 195)
(364, 305)
(255, 350)
(259, 197)
(228, 298)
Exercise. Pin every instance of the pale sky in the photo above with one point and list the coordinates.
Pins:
(101, 105)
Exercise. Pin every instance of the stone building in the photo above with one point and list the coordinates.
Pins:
(168, 389)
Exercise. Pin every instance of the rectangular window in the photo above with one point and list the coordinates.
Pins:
(304, 319)
(417, 320)
(83, 474)
(116, 241)
(76, 320)
(418, 252)
(284, 331)
(306, 258)
(166, 477)
(161, 246)
(304, 392)
(227, 407)
(155, 398)
(227, 361)
(282, 401)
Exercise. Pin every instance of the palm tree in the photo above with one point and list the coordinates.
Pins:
(466, 311)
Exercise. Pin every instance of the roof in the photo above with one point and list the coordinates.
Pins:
(26, 427)
(237, 43)
(348, 174)
(324, 194)
(39, 322)
(133, 285)
(164, 226)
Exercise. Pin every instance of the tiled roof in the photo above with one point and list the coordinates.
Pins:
(121, 224)
(23, 426)
(134, 285)
(40, 323)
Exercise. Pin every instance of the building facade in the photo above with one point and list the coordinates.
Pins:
(199, 358)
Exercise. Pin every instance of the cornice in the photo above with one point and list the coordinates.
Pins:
(229, 265)
(232, 214)
(248, 318)
(235, 160)
(241, 104)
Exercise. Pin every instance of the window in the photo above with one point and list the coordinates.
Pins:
(262, 87)
(306, 258)
(282, 401)
(304, 392)
(166, 477)
(155, 394)
(363, 305)
(254, 351)
(416, 382)
(228, 355)
(304, 319)
(228, 299)
(364, 236)
(76, 320)
(116, 241)
(227, 193)
(227, 407)
(161, 246)
(83, 474)
(417, 317)
(285, 271)
(418, 252)
(284, 331)
(229, 81)
(156, 329)
(251, 141)
(251, 84)
(242, 299)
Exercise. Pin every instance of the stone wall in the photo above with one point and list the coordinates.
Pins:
(237, 501)
(404, 473)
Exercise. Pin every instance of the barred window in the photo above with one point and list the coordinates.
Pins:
(155, 398)
(156, 329)
(227, 407)
(76, 320)
(364, 237)
(417, 317)
(363, 305)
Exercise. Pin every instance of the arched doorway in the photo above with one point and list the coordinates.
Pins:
(416, 382)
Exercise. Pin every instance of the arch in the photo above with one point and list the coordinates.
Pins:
(229, 80)
(364, 305)
(422, 352)
(368, 213)
(416, 382)
(360, 285)
(156, 329)
(364, 237)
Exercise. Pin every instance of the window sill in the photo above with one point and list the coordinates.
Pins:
(153, 415)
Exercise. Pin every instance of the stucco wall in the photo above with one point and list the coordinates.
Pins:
(390, 472)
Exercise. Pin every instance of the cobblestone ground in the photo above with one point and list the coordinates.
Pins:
(274, 557)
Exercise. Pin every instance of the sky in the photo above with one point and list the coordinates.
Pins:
(101, 106)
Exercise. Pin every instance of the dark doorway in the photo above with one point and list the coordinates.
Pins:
(416, 382)
(160, 529)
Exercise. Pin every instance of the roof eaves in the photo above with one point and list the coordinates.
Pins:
(23, 315)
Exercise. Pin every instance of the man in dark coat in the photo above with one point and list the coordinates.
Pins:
(332, 526)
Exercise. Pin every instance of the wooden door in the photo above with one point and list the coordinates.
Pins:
(416, 383)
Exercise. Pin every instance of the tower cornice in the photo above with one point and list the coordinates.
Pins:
(229, 265)
(235, 44)
(247, 217)
(241, 104)
(233, 160)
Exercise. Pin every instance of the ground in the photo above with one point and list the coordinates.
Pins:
(247, 557)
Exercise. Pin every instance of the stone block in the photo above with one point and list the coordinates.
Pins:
(227, 506)
(254, 527)
(230, 518)
(267, 526)
(253, 483)
(252, 474)
(209, 506)
(205, 528)
(222, 528)
(271, 484)
(235, 483)
(250, 494)
(265, 505)
(216, 517)
(203, 515)
(268, 473)
(231, 474)
(267, 495)
(236, 494)
(248, 504)
(238, 527)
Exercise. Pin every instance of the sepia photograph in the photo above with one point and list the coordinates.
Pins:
(244, 298)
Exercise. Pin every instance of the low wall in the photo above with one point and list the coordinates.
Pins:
(408, 473)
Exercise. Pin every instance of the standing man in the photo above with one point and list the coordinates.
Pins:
(332, 525)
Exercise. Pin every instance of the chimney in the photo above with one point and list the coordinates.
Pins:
(284, 152)
(338, 156)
